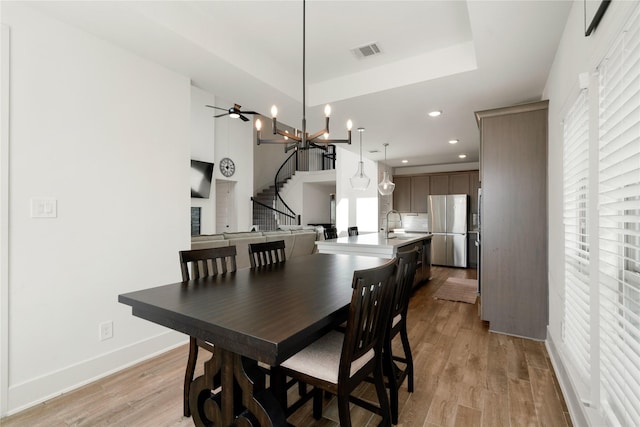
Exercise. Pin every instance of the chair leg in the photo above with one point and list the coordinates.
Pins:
(407, 355)
(317, 403)
(382, 396)
(188, 375)
(392, 376)
(343, 409)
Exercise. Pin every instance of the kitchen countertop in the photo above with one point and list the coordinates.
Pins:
(372, 244)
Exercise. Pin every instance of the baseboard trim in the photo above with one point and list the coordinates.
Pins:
(577, 411)
(30, 393)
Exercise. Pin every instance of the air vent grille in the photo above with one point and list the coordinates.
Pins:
(370, 49)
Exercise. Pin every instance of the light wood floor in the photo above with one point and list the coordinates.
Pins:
(464, 376)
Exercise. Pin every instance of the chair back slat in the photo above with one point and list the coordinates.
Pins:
(405, 273)
(199, 263)
(266, 253)
(368, 313)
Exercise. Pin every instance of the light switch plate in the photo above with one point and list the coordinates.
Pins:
(44, 207)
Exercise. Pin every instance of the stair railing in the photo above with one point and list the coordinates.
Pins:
(271, 218)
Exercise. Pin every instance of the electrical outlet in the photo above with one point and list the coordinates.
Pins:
(106, 330)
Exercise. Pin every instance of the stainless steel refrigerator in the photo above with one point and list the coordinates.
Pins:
(448, 223)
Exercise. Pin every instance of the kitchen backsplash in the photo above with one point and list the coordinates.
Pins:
(415, 222)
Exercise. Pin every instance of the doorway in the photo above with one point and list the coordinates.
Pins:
(226, 211)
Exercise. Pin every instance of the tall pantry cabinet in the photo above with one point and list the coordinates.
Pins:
(513, 235)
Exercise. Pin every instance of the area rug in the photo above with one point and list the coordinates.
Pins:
(456, 289)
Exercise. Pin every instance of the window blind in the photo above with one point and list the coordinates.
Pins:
(619, 228)
(577, 330)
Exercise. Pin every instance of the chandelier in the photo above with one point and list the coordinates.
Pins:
(302, 139)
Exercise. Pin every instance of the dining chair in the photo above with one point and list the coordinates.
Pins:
(338, 362)
(330, 233)
(352, 231)
(406, 263)
(196, 264)
(266, 253)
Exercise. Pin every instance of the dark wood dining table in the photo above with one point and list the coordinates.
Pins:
(251, 315)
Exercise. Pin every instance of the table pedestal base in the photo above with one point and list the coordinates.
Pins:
(242, 399)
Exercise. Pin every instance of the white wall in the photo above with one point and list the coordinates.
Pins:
(317, 203)
(267, 157)
(106, 134)
(202, 135)
(355, 207)
(234, 139)
(576, 54)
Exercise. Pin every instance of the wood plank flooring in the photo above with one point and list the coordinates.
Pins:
(464, 376)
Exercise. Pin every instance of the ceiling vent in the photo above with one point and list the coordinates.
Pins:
(368, 50)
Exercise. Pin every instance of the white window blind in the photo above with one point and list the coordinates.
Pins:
(577, 330)
(619, 228)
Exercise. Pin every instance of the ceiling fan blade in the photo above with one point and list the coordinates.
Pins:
(217, 108)
(221, 115)
(248, 112)
(243, 118)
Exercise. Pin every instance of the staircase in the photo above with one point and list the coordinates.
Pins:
(265, 215)
(270, 211)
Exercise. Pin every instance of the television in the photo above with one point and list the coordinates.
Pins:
(201, 176)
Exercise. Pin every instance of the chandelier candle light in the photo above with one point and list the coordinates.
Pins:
(386, 187)
(360, 181)
(302, 139)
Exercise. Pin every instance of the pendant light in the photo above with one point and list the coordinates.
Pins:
(360, 181)
(386, 187)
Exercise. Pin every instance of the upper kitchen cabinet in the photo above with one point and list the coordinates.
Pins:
(411, 193)
(513, 251)
(450, 183)
(459, 183)
(419, 193)
(439, 185)
(402, 193)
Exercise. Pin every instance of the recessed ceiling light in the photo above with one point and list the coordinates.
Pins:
(435, 113)
(454, 141)
(405, 161)
(463, 156)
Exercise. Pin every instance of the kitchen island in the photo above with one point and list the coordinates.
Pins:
(378, 245)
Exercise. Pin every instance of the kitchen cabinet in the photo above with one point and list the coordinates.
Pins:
(459, 183)
(411, 193)
(419, 193)
(439, 185)
(402, 193)
(450, 183)
(513, 251)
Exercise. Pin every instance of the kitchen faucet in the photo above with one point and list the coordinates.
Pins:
(391, 211)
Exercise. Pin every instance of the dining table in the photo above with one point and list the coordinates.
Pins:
(252, 315)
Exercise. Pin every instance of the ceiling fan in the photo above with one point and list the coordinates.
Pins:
(233, 112)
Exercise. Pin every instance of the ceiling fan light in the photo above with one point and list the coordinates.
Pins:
(234, 115)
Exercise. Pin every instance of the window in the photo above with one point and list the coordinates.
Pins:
(601, 206)
(619, 228)
(577, 329)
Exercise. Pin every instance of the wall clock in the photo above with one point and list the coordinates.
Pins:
(227, 167)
